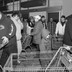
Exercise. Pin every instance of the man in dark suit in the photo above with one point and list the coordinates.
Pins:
(7, 38)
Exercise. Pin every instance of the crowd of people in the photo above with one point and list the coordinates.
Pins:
(35, 26)
(10, 34)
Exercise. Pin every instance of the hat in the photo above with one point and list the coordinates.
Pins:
(37, 17)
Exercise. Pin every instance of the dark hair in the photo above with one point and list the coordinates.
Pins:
(63, 16)
(31, 17)
(8, 16)
(42, 16)
(15, 13)
(29, 21)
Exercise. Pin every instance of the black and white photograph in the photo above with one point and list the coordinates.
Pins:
(35, 36)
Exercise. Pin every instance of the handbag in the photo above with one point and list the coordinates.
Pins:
(45, 33)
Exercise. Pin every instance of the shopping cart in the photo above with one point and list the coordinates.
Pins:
(61, 62)
(29, 62)
(27, 42)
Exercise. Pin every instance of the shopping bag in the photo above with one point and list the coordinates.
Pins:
(45, 33)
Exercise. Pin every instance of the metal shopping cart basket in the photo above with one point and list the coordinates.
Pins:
(61, 62)
(29, 62)
(27, 41)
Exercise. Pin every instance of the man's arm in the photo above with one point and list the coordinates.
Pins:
(57, 28)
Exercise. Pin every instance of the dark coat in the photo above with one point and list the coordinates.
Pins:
(67, 39)
(7, 28)
(37, 32)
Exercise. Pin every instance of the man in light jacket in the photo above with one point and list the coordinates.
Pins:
(60, 27)
(19, 26)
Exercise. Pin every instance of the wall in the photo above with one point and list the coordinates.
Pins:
(67, 7)
(53, 3)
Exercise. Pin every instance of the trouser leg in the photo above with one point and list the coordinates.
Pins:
(38, 53)
(4, 57)
(43, 53)
(19, 46)
(42, 46)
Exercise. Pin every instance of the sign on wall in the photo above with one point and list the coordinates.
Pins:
(38, 13)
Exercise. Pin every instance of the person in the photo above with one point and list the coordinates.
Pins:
(28, 38)
(25, 27)
(7, 38)
(44, 21)
(45, 34)
(24, 31)
(31, 21)
(67, 44)
(19, 26)
(30, 24)
(60, 27)
(37, 32)
(67, 39)
(51, 26)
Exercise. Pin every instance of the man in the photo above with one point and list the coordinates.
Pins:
(43, 21)
(7, 38)
(19, 26)
(60, 27)
(51, 26)
(67, 43)
(30, 25)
